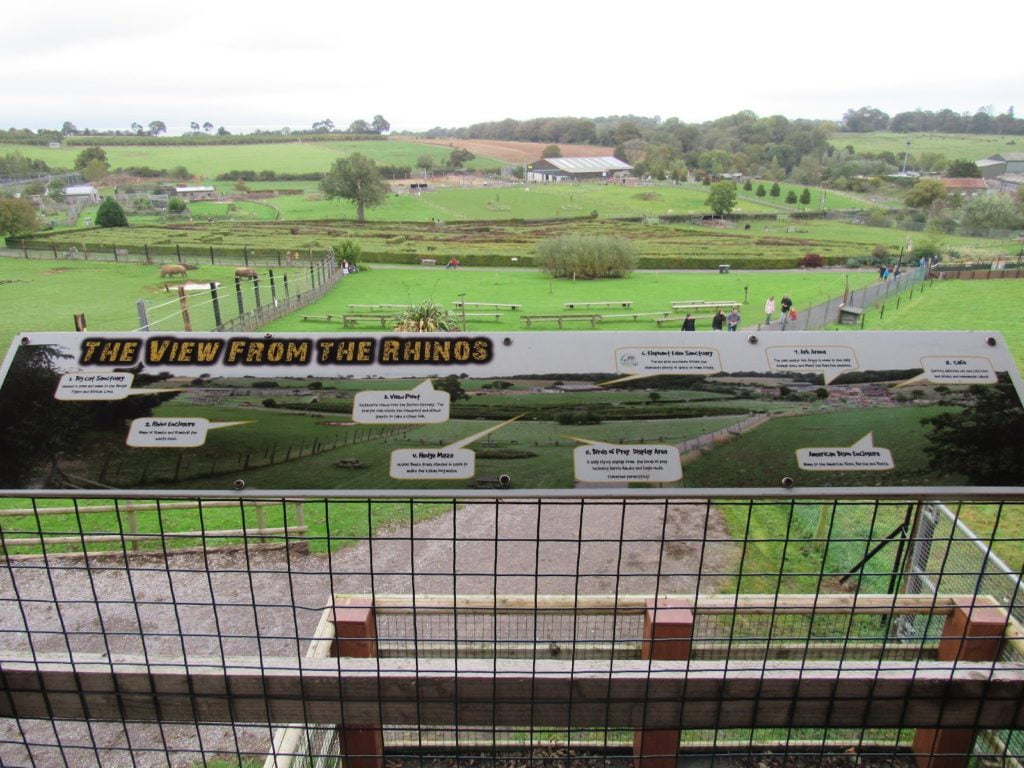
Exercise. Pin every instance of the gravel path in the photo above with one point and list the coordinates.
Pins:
(269, 602)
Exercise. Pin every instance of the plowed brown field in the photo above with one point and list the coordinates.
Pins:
(520, 152)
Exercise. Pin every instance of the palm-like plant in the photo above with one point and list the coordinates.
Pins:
(425, 317)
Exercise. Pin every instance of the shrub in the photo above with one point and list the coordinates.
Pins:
(110, 214)
(176, 205)
(811, 260)
(587, 257)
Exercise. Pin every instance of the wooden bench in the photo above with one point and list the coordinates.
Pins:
(530, 319)
(384, 320)
(322, 318)
(428, 262)
(634, 315)
(679, 319)
(685, 305)
(597, 304)
(487, 305)
(371, 307)
(481, 315)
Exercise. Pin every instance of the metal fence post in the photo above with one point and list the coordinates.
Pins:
(216, 305)
(238, 295)
(140, 305)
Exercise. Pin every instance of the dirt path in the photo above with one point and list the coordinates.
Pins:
(268, 603)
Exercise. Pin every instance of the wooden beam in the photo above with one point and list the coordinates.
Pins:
(625, 694)
(766, 603)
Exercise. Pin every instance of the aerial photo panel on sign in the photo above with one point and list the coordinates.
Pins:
(580, 413)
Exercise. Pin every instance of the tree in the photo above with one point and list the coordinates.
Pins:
(452, 386)
(551, 150)
(761, 191)
(791, 197)
(17, 216)
(359, 126)
(176, 205)
(924, 193)
(425, 162)
(355, 178)
(865, 119)
(459, 157)
(586, 257)
(380, 125)
(805, 197)
(775, 191)
(222, 131)
(156, 127)
(323, 126)
(194, 126)
(982, 441)
(111, 214)
(207, 126)
(992, 211)
(963, 169)
(68, 129)
(426, 317)
(748, 185)
(95, 170)
(137, 128)
(721, 198)
(89, 154)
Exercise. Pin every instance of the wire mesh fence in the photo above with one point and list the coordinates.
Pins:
(316, 631)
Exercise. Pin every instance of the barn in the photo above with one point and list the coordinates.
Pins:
(573, 169)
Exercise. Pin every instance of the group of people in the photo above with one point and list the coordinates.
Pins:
(787, 314)
(719, 322)
(885, 272)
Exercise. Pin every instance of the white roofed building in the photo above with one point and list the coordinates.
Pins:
(578, 169)
(83, 193)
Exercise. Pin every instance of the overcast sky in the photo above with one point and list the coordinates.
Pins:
(107, 63)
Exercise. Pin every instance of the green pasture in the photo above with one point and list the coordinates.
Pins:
(541, 295)
(952, 145)
(957, 305)
(44, 295)
(208, 161)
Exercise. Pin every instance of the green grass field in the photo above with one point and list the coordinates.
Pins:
(207, 162)
(952, 145)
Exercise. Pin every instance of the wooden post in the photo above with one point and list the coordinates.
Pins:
(216, 305)
(971, 633)
(183, 302)
(668, 631)
(355, 633)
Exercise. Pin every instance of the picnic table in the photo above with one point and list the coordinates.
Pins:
(597, 304)
(529, 319)
(378, 306)
(480, 315)
(487, 305)
(322, 318)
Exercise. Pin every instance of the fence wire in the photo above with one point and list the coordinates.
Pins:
(501, 632)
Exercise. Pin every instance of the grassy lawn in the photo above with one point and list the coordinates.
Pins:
(958, 305)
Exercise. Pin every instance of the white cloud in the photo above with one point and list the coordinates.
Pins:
(107, 63)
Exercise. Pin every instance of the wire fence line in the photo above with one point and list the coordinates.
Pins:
(246, 306)
(243, 256)
(505, 631)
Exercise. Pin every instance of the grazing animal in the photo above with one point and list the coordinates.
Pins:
(248, 272)
(171, 270)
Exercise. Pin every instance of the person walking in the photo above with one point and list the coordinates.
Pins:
(786, 305)
(769, 310)
(733, 320)
(718, 321)
(689, 323)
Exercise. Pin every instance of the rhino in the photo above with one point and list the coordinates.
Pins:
(171, 270)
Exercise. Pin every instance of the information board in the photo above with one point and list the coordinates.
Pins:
(581, 413)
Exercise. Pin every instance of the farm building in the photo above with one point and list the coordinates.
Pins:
(966, 187)
(196, 193)
(85, 194)
(579, 169)
(994, 166)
